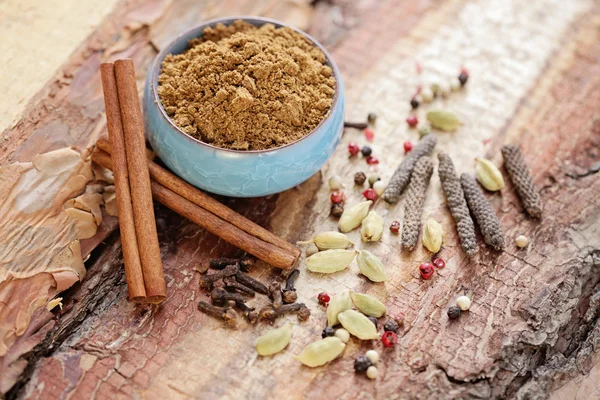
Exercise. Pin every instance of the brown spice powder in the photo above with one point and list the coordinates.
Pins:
(247, 88)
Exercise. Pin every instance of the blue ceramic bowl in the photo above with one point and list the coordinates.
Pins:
(231, 172)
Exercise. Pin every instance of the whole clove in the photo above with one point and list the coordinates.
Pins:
(231, 285)
(457, 204)
(415, 200)
(356, 125)
(482, 210)
(289, 292)
(207, 280)
(402, 174)
(252, 317)
(303, 314)
(217, 284)
(275, 294)
(226, 314)
(220, 296)
(521, 178)
(244, 263)
(252, 283)
(270, 313)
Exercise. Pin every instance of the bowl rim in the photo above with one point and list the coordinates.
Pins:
(156, 67)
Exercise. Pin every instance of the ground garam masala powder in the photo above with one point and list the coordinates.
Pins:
(247, 88)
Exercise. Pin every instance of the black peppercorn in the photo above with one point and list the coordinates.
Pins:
(373, 320)
(360, 178)
(453, 312)
(366, 151)
(463, 77)
(391, 326)
(372, 117)
(361, 364)
(337, 209)
(414, 103)
(329, 331)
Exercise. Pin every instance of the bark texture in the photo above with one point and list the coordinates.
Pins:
(533, 330)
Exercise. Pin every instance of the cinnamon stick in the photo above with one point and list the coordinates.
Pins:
(200, 198)
(139, 181)
(131, 256)
(263, 250)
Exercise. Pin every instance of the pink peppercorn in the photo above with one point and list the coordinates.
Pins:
(372, 160)
(395, 227)
(338, 197)
(426, 270)
(370, 194)
(407, 146)
(389, 339)
(439, 262)
(412, 121)
(369, 134)
(323, 298)
(353, 148)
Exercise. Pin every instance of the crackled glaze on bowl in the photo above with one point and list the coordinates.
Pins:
(239, 173)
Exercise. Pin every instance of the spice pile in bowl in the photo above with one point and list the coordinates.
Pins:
(245, 87)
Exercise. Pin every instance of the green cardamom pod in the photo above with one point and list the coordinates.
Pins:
(368, 304)
(330, 240)
(322, 351)
(372, 227)
(340, 302)
(353, 216)
(443, 120)
(433, 235)
(488, 175)
(330, 261)
(358, 325)
(371, 266)
(274, 340)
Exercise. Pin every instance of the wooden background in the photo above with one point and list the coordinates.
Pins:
(533, 330)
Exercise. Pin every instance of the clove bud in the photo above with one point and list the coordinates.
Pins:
(208, 279)
(275, 294)
(289, 293)
(252, 283)
(226, 314)
(355, 125)
(220, 263)
(231, 285)
(270, 313)
(220, 296)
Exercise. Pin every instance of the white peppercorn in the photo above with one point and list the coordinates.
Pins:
(463, 302)
(372, 372)
(373, 356)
